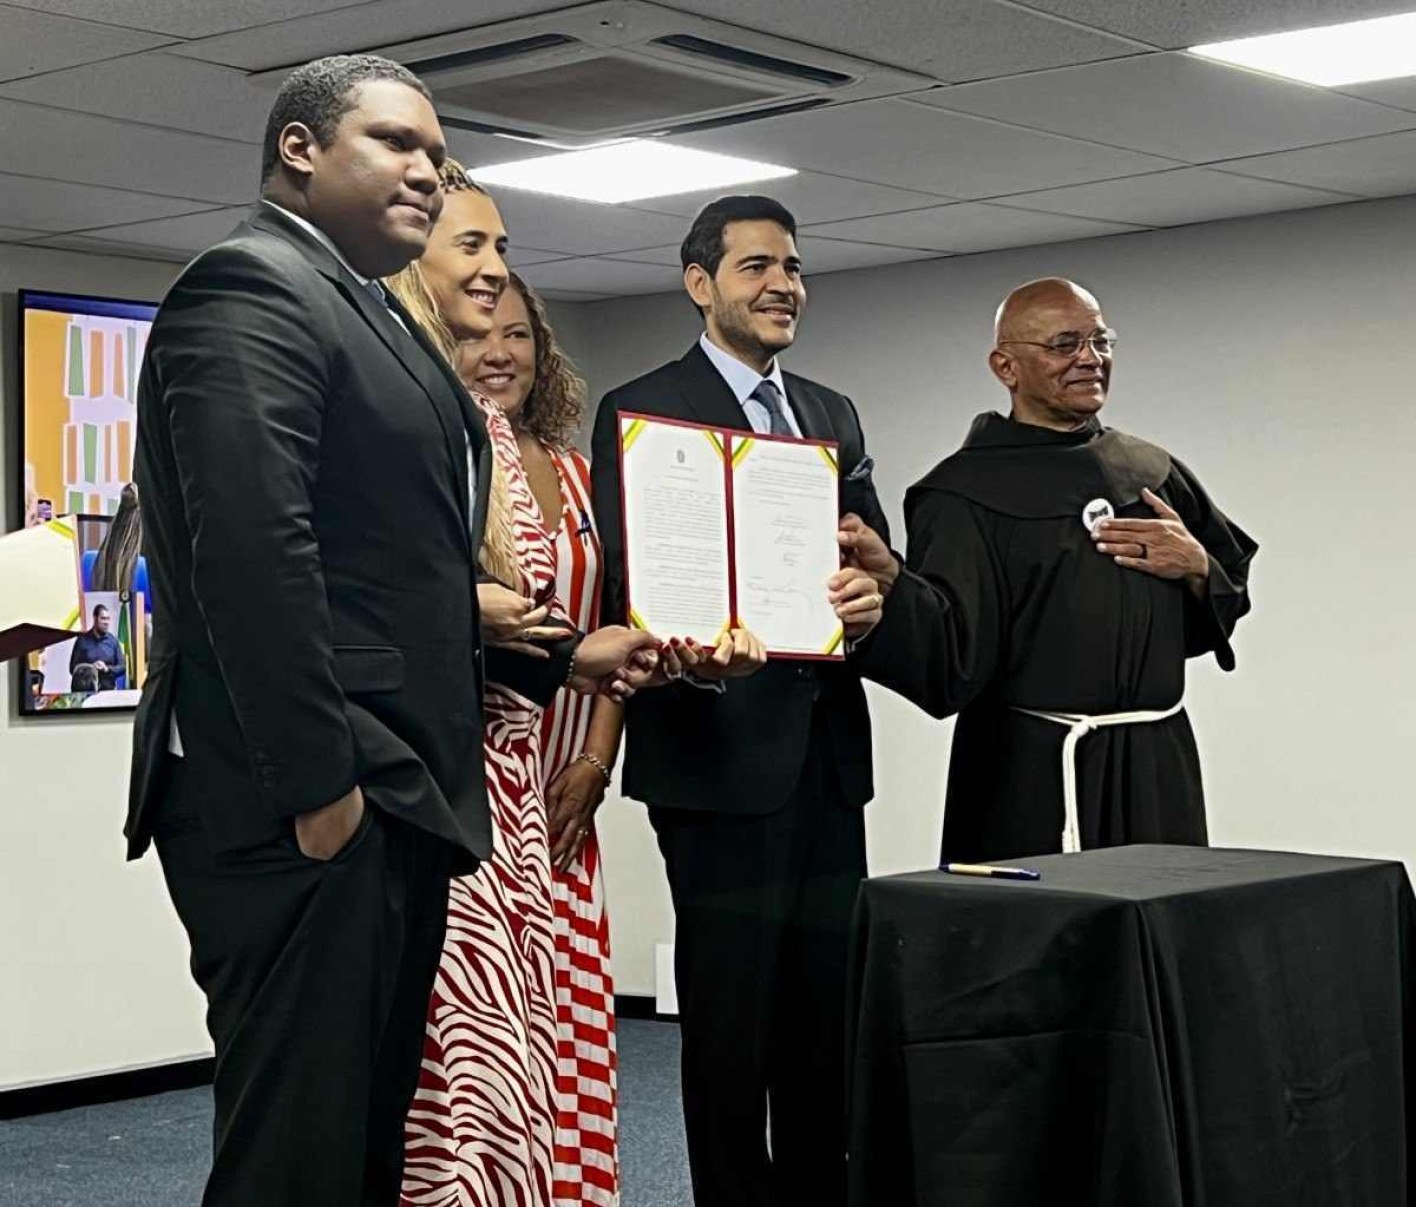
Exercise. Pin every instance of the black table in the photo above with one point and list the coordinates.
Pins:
(1145, 1026)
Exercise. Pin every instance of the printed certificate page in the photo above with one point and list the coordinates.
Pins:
(675, 528)
(785, 511)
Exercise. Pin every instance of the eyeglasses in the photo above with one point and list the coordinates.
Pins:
(1103, 343)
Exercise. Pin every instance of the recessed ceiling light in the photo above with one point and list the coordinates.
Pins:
(628, 171)
(1352, 53)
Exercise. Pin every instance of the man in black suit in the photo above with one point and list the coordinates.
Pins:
(308, 752)
(754, 781)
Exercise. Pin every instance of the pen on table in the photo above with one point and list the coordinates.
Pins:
(987, 869)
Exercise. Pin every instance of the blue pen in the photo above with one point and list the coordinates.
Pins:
(583, 532)
(993, 873)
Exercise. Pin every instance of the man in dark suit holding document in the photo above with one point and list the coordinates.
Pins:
(754, 774)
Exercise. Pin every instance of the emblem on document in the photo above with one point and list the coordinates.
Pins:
(1096, 511)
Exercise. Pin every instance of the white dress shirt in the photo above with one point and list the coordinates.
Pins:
(743, 379)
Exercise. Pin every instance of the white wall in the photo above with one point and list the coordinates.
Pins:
(1270, 354)
(93, 973)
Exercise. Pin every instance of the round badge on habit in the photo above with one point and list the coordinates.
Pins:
(1096, 511)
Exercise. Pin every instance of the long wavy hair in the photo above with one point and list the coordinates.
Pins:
(555, 407)
(118, 554)
(410, 286)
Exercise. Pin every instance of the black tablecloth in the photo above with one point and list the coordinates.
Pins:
(1148, 1026)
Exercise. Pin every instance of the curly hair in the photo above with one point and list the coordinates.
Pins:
(556, 405)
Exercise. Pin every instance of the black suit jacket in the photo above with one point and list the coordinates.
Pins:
(302, 470)
(742, 750)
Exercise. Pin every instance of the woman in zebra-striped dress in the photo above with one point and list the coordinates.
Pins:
(486, 1125)
(521, 368)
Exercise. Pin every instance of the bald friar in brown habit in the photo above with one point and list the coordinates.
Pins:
(1059, 574)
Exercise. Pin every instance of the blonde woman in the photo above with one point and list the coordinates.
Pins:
(482, 1126)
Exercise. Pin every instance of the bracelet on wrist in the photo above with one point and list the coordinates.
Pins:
(596, 762)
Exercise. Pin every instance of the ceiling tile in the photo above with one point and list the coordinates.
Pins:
(667, 255)
(975, 40)
(604, 276)
(187, 233)
(581, 228)
(811, 197)
(112, 247)
(158, 89)
(524, 257)
(969, 227)
(1173, 198)
(921, 147)
(1175, 26)
(1174, 105)
(185, 18)
(1371, 167)
(363, 26)
(32, 41)
(820, 256)
(1401, 94)
(88, 149)
(51, 205)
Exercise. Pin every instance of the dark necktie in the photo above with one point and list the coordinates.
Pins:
(771, 399)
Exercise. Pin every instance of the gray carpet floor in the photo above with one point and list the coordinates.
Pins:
(153, 1152)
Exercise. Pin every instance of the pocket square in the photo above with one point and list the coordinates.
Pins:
(862, 470)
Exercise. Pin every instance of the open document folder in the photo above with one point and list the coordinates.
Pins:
(41, 594)
(730, 529)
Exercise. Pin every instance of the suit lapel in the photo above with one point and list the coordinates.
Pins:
(435, 378)
(811, 416)
(710, 399)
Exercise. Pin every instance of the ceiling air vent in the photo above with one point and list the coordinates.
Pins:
(626, 68)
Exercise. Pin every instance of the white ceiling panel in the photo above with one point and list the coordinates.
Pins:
(88, 149)
(29, 203)
(187, 233)
(908, 145)
(1177, 25)
(579, 229)
(31, 42)
(1174, 105)
(963, 40)
(811, 197)
(1174, 198)
(111, 247)
(969, 227)
(1399, 93)
(820, 255)
(158, 89)
(668, 254)
(524, 257)
(1372, 167)
(185, 18)
(604, 276)
(358, 27)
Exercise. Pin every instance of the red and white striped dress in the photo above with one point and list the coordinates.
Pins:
(482, 1128)
(586, 1154)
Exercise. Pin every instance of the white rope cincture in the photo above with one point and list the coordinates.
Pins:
(1078, 726)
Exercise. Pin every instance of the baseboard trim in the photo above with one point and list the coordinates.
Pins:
(633, 1005)
(105, 1087)
(186, 1075)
